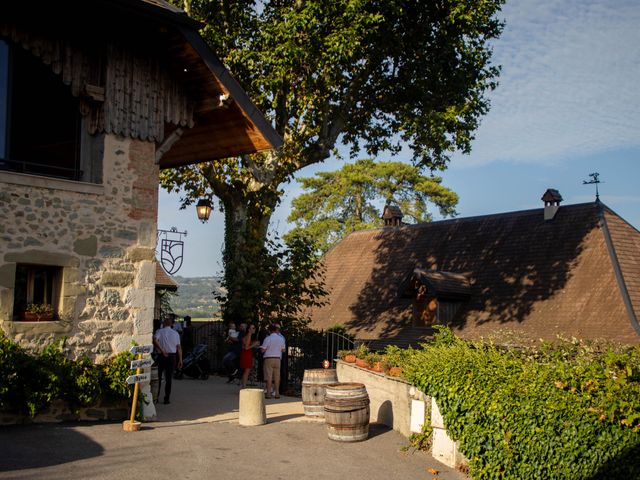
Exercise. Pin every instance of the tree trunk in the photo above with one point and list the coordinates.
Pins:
(244, 243)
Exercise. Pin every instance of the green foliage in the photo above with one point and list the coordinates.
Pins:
(394, 356)
(286, 281)
(76, 382)
(567, 410)
(376, 76)
(423, 440)
(29, 383)
(361, 351)
(39, 308)
(114, 376)
(337, 203)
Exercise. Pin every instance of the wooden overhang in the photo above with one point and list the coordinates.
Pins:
(222, 128)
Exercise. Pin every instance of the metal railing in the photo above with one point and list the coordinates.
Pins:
(305, 350)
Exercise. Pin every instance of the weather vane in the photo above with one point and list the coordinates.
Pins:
(594, 180)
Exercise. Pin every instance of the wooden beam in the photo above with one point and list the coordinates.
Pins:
(168, 143)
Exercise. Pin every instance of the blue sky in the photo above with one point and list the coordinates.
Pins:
(568, 104)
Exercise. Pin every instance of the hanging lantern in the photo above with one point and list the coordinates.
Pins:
(203, 208)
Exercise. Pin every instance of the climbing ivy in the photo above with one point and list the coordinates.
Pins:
(568, 410)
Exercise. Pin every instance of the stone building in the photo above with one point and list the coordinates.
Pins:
(89, 113)
(568, 270)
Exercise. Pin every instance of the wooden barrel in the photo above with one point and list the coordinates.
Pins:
(313, 385)
(346, 412)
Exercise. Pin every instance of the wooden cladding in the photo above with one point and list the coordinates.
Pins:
(140, 95)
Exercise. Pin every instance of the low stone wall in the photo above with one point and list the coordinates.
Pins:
(59, 411)
(397, 404)
(390, 397)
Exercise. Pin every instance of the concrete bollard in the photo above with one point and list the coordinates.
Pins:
(252, 409)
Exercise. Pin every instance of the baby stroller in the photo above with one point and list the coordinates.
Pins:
(195, 364)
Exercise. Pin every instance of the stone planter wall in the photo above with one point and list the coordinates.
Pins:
(397, 404)
(390, 397)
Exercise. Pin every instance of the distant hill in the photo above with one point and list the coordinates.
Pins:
(195, 298)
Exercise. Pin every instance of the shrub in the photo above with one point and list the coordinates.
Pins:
(29, 383)
(570, 410)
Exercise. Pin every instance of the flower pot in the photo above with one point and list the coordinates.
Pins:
(350, 358)
(361, 363)
(38, 317)
(395, 372)
(376, 367)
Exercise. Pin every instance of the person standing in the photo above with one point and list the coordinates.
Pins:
(246, 356)
(234, 340)
(187, 336)
(272, 348)
(167, 341)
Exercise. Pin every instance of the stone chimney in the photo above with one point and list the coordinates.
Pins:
(392, 216)
(551, 199)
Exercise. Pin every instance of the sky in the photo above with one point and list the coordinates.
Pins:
(568, 105)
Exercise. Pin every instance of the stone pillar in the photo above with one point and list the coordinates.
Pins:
(252, 409)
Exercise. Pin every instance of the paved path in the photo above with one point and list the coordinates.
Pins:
(197, 436)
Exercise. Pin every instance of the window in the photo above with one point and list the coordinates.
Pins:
(36, 284)
(41, 129)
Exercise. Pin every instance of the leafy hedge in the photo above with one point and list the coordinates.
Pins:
(29, 383)
(564, 411)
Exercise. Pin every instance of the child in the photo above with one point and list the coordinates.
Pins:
(232, 333)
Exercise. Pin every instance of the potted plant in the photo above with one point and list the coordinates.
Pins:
(347, 356)
(361, 355)
(38, 312)
(374, 362)
(392, 360)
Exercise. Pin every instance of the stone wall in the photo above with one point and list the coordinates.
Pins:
(103, 236)
(390, 397)
(399, 405)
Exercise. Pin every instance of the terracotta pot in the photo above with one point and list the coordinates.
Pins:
(376, 367)
(38, 317)
(361, 363)
(395, 372)
(350, 358)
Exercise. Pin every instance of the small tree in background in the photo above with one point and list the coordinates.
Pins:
(337, 203)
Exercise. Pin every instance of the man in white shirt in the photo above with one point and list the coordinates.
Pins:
(272, 348)
(167, 341)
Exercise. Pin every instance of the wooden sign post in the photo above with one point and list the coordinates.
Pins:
(132, 425)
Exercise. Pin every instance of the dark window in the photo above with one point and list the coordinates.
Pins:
(39, 118)
(4, 97)
(36, 285)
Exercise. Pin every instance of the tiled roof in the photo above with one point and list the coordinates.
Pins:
(164, 281)
(541, 278)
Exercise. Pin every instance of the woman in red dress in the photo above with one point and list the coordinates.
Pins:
(246, 355)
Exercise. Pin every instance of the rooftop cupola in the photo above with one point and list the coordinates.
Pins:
(551, 199)
(392, 216)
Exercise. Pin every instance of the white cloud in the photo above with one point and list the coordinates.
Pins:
(569, 84)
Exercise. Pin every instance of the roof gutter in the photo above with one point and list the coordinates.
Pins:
(618, 271)
(238, 94)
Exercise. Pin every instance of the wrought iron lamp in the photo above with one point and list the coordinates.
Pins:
(203, 208)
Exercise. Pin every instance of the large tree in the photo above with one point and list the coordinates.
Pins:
(374, 75)
(336, 203)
